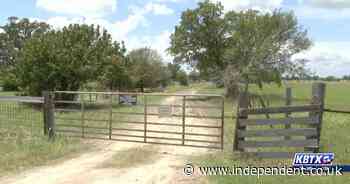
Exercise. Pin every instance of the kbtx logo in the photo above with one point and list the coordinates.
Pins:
(313, 159)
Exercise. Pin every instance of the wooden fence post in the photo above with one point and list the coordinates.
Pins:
(49, 112)
(288, 102)
(242, 104)
(318, 95)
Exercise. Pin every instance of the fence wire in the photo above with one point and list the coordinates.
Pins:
(20, 119)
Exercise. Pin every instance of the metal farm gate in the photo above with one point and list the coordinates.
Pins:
(172, 119)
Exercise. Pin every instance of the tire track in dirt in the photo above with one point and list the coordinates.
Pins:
(167, 168)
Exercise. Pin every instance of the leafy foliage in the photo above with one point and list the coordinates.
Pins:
(261, 45)
(247, 46)
(116, 74)
(12, 39)
(64, 59)
(199, 39)
(145, 68)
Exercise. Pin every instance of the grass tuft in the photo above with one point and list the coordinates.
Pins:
(131, 158)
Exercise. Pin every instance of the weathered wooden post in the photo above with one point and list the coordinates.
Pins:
(49, 112)
(241, 114)
(318, 95)
(288, 102)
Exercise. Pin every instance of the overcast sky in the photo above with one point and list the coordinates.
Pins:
(150, 22)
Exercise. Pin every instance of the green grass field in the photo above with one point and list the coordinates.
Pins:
(335, 135)
(23, 143)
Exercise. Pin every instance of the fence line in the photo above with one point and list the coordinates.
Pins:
(310, 129)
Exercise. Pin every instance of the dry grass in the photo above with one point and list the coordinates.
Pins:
(131, 157)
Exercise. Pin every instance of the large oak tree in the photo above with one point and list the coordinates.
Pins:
(247, 46)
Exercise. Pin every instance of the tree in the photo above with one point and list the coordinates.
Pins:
(261, 45)
(199, 39)
(330, 78)
(145, 68)
(247, 46)
(174, 69)
(182, 78)
(116, 74)
(12, 38)
(346, 77)
(177, 73)
(64, 59)
(193, 76)
(165, 76)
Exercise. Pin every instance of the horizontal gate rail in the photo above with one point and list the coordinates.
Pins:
(78, 119)
(278, 132)
(202, 141)
(127, 129)
(139, 94)
(282, 109)
(26, 99)
(129, 122)
(281, 143)
(278, 121)
(165, 124)
(203, 135)
(202, 126)
(127, 135)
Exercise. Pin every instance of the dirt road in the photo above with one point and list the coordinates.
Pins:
(166, 168)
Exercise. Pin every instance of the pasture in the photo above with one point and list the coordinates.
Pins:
(335, 135)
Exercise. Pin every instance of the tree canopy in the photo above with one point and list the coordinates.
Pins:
(199, 39)
(64, 59)
(34, 57)
(146, 67)
(249, 46)
(12, 39)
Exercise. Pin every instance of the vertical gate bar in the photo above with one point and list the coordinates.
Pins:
(145, 117)
(110, 116)
(183, 119)
(31, 119)
(82, 109)
(222, 121)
